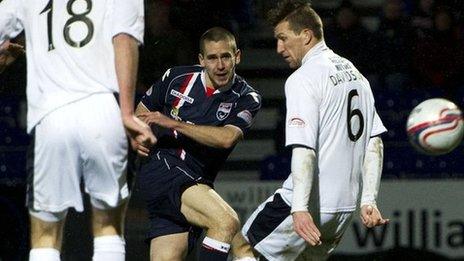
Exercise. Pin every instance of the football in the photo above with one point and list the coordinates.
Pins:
(435, 126)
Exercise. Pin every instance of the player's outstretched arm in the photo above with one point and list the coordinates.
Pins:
(372, 171)
(217, 137)
(8, 53)
(126, 60)
(303, 166)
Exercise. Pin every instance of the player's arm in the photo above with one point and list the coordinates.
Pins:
(9, 52)
(126, 61)
(10, 27)
(372, 171)
(303, 166)
(213, 136)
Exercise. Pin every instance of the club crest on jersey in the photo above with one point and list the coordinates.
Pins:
(182, 96)
(296, 123)
(223, 110)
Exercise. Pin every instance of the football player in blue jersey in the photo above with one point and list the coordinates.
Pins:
(198, 114)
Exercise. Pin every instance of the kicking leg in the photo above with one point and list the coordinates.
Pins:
(169, 248)
(203, 207)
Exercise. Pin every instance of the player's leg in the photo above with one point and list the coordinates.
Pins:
(53, 182)
(108, 231)
(169, 247)
(203, 207)
(105, 150)
(46, 235)
(241, 249)
(161, 182)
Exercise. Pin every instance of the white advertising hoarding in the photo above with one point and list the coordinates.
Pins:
(423, 214)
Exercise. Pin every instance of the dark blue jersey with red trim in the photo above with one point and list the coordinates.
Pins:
(182, 95)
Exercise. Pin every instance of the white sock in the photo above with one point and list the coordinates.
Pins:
(44, 254)
(217, 245)
(107, 248)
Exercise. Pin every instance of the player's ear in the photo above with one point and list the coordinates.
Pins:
(238, 55)
(201, 59)
(307, 36)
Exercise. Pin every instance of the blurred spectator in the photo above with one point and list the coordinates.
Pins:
(196, 16)
(165, 45)
(438, 58)
(394, 46)
(422, 18)
(348, 38)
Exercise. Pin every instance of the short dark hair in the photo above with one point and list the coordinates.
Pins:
(299, 14)
(217, 34)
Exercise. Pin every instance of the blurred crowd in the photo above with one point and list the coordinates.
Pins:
(410, 44)
(398, 44)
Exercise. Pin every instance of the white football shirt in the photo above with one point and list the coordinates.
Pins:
(330, 108)
(69, 47)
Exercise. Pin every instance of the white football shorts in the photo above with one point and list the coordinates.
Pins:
(270, 231)
(84, 139)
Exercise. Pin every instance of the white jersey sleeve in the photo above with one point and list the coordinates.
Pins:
(302, 121)
(377, 126)
(130, 18)
(10, 22)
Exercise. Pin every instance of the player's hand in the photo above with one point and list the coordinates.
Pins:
(140, 134)
(158, 118)
(371, 216)
(304, 226)
(8, 53)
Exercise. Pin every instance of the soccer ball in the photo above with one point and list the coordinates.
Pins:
(435, 126)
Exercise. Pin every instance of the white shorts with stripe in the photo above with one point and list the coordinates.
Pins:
(270, 231)
(84, 139)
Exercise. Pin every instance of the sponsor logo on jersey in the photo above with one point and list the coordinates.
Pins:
(296, 123)
(223, 110)
(182, 96)
(246, 116)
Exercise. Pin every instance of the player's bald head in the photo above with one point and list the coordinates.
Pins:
(217, 34)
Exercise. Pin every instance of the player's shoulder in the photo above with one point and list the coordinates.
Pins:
(243, 88)
(179, 71)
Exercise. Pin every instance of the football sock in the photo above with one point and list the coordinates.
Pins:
(213, 250)
(44, 254)
(107, 248)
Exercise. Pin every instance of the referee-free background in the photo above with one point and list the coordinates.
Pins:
(410, 50)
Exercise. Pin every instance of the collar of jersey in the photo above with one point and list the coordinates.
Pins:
(317, 49)
(220, 90)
